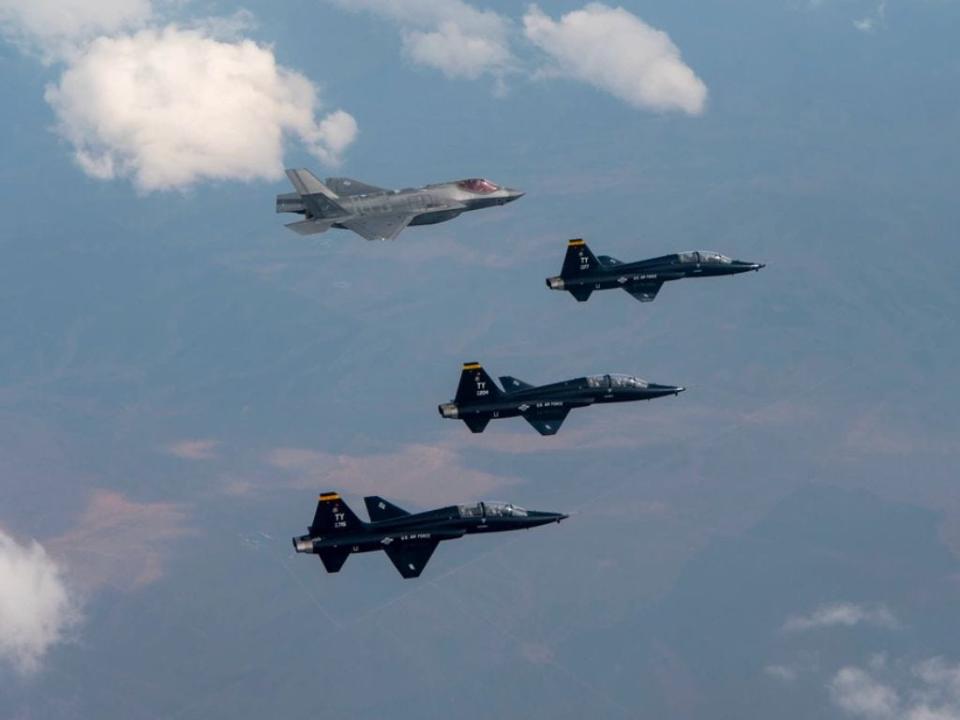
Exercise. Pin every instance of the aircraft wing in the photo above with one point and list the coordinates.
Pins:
(345, 187)
(644, 292)
(548, 422)
(412, 557)
(379, 227)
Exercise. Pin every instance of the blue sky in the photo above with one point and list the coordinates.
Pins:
(181, 375)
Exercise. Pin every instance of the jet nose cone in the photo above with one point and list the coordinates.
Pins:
(514, 194)
(664, 390)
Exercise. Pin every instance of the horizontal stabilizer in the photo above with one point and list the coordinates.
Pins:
(411, 558)
(477, 423)
(379, 227)
(547, 423)
(581, 292)
(644, 292)
(333, 558)
(608, 261)
(345, 187)
(511, 384)
(309, 227)
(379, 509)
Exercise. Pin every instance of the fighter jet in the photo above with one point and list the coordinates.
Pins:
(408, 539)
(376, 213)
(479, 400)
(583, 272)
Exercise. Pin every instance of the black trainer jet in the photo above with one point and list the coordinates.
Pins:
(479, 400)
(408, 539)
(583, 272)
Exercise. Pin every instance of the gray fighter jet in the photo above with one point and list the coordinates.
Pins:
(408, 539)
(479, 400)
(583, 272)
(376, 213)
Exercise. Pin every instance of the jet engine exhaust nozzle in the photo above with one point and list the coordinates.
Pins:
(449, 410)
(555, 283)
(303, 544)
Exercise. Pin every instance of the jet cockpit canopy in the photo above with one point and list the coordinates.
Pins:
(704, 256)
(615, 380)
(480, 186)
(491, 509)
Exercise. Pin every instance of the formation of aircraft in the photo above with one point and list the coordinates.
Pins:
(408, 539)
(479, 400)
(376, 213)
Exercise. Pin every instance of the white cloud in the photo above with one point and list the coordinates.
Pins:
(841, 614)
(614, 50)
(781, 672)
(931, 691)
(856, 692)
(169, 107)
(871, 22)
(200, 449)
(36, 607)
(56, 27)
(449, 35)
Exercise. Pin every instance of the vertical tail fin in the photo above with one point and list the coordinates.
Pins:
(579, 260)
(307, 183)
(318, 199)
(475, 385)
(333, 516)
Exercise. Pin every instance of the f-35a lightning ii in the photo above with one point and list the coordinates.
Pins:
(408, 539)
(376, 213)
(583, 272)
(479, 400)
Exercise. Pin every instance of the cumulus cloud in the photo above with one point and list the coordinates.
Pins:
(56, 27)
(614, 50)
(448, 35)
(37, 608)
(929, 691)
(841, 614)
(173, 106)
(856, 692)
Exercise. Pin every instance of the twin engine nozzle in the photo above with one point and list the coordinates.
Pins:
(555, 283)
